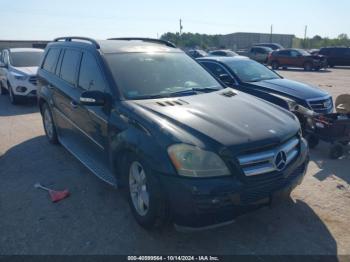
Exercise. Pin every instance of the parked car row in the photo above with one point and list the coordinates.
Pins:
(277, 57)
(195, 142)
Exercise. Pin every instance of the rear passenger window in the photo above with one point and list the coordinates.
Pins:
(90, 77)
(70, 65)
(51, 60)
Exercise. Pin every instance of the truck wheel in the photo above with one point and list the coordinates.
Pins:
(307, 66)
(336, 151)
(146, 199)
(13, 98)
(275, 65)
(49, 125)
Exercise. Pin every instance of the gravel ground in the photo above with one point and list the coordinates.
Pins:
(96, 219)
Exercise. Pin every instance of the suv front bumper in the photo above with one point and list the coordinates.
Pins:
(197, 203)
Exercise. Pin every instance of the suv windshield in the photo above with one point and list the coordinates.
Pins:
(151, 75)
(25, 59)
(251, 71)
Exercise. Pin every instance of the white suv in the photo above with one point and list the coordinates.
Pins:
(18, 68)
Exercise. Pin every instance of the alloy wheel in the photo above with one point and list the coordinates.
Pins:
(138, 188)
(48, 123)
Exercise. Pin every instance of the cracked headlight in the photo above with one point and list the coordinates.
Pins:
(192, 161)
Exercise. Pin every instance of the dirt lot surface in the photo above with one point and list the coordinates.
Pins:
(96, 218)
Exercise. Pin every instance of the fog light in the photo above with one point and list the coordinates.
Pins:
(21, 89)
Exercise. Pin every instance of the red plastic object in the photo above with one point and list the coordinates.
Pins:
(58, 195)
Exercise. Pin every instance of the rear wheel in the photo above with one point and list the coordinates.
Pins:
(146, 199)
(307, 66)
(49, 125)
(275, 65)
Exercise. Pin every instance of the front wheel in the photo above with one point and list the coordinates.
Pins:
(13, 98)
(2, 89)
(146, 199)
(49, 125)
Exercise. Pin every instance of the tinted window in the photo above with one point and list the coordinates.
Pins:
(215, 68)
(284, 53)
(250, 71)
(51, 60)
(69, 65)
(294, 53)
(25, 59)
(145, 75)
(90, 77)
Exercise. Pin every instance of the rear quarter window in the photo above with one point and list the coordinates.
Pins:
(51, 59)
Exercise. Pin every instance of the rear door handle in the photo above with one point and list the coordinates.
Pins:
(73, 104)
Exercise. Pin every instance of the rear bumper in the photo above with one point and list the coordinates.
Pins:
(197, 203)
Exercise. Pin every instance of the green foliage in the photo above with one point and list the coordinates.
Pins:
(190, 40)
(318, 42)
(204, 41)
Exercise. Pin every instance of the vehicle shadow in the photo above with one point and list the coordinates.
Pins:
(322, 71)
(328, 167)
(96, 219)
(28, 106)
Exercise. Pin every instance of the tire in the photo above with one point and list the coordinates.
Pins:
(308, 66)
(336, 151)
(2, 89)
(145, 196)
(275, 65)
(49, 125)
(313, 141)
(13, 98)
(284, 68)
(330, 65)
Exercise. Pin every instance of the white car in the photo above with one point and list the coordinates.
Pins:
(18, 69)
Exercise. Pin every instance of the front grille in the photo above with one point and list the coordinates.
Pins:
(261, 189)
(271, 160)
(324, 105)
(33, 80)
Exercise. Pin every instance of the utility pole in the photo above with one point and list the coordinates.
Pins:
(271, 29)
(181, 27)
(305, 34)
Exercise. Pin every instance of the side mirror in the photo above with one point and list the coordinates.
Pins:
(92, 98)
(226, 79)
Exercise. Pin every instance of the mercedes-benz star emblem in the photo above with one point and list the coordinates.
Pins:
(280, 160)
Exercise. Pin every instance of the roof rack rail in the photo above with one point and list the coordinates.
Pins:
(154, 40)
(71, 38)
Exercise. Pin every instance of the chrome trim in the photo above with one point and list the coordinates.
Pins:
(264, 162)
(82, 131)
(309, 101)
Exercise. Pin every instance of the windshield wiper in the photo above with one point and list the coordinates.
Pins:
(194, 90)
(189, 91)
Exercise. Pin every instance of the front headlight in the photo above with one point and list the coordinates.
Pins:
(192, 161)
(19, 76)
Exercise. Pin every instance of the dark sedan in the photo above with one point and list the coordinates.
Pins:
(256, 79)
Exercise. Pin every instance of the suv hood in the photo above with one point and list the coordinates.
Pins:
(230, 120)
(30, 70)
(290, 88)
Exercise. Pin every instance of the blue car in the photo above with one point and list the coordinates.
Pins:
(256, 79)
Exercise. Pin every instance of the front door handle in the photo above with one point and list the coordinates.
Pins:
(73, 104)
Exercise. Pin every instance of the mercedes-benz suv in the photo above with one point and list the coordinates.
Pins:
(144, 116)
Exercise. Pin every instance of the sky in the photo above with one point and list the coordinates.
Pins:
(100, 19)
